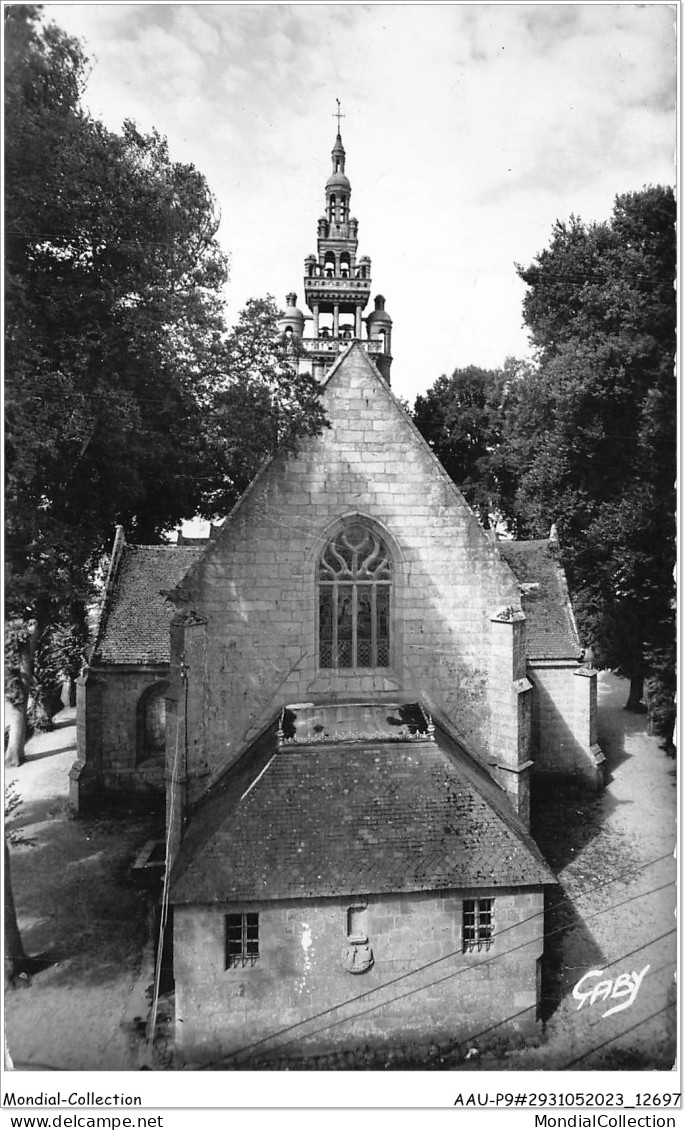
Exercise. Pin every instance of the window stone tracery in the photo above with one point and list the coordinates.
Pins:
(355, 577)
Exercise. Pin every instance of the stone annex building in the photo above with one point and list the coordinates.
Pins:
(344, 692)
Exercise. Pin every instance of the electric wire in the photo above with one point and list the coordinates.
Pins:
(617, 1036)
(454, 953)
(472, 1036)
(439, 981)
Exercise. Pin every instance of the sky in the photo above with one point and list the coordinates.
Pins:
(469, 130)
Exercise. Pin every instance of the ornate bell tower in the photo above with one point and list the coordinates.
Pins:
(337, 285)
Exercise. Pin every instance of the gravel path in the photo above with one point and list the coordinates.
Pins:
(613, 855)
(77, 905)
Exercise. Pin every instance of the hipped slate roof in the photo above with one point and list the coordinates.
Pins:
(550, 627)
(343, 818)
(136, 617)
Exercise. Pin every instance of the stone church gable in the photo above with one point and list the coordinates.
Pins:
(351, 572)
(254, 591)
(345, 719)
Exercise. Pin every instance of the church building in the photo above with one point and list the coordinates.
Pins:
(355, 683)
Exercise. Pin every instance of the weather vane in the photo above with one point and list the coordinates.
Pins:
(338, 114)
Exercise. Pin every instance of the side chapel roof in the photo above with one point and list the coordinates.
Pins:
(136, 618)
(326, 818)
(551, 631)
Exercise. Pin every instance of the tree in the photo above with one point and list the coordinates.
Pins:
(586, 436)
(113, 308)
(57, 660)
(15, 955)
(461, 418)
(126, 402)
(465, 419)
(262, 403)
(20, 646)
(17, 962)
(593, 436)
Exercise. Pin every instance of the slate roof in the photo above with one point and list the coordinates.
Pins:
(327, 819)
(135, 621)
(550, 627)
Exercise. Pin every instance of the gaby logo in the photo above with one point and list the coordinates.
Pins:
(623, 989)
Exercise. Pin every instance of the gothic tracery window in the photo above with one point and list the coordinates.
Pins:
(355, 579)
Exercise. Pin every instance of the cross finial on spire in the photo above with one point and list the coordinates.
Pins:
(338, 114)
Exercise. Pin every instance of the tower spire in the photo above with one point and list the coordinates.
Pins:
(338, 114)
(337, 284)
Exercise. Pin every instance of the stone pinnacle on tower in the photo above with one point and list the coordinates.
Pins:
(337, 285)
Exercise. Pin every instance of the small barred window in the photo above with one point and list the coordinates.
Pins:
(355, 578)
(477, 924)
(242, 939)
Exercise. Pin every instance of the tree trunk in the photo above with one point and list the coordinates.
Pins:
(68, 696)
(635, 703)
(15, 957)
(15, 721)
(15, 712)
(43, 705)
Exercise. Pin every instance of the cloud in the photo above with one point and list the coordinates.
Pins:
(192, 24)
(469, 129)
(557, 101)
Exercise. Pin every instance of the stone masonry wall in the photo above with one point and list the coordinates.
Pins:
(564, 720)
(256, 585)
(420, 986)
(510, 698)
(107, 737)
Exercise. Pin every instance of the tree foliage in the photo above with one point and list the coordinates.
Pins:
(113, 314)
(261, 404)
(601, 462)
(586, 437)
(461, 417)
(126, 400)
(472, 421)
